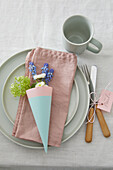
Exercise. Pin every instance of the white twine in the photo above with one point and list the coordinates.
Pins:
(94, 102)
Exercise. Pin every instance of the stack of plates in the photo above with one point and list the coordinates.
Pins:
(79, 102)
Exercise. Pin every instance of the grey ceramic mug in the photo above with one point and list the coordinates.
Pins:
(78, 35)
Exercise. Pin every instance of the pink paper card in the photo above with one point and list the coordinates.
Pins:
(105, 101)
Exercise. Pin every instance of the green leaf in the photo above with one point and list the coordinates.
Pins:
(33, 85)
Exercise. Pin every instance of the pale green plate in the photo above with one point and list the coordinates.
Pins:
(9, 101)
(6, 126)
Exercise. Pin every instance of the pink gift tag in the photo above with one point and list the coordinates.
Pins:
(105, 101)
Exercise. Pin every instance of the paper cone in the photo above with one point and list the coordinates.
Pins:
(40, 102)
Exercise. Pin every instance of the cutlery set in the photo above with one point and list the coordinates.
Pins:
(91, 79)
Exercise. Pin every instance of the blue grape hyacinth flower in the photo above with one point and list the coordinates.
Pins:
(45, 68)
(32, 68)
(49, 73)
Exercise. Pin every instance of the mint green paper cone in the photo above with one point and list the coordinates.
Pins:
(40, 102)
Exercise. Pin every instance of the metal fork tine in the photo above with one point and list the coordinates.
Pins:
(85, 70)
(88, 72)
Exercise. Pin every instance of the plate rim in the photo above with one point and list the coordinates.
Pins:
(41, 147)
(76, 107)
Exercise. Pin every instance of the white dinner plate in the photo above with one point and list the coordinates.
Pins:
(6, 126)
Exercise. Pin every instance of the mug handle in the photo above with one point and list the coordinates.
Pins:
(97, 44)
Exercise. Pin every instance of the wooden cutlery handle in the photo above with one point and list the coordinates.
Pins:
(103, 124)
(89, 128)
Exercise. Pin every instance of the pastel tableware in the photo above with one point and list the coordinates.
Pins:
(6, 126)
(78, 35)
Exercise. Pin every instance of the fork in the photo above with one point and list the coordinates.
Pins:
(89, 128)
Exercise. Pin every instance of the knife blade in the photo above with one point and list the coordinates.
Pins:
(94, 76)
(92, 87)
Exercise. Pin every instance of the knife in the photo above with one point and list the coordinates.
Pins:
(103, 124)
(92, 87)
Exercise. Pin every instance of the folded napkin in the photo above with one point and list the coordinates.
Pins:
(64, 65)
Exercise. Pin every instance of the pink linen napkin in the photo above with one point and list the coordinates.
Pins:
(64, 65)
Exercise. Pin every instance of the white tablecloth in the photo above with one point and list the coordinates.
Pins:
(30, 23)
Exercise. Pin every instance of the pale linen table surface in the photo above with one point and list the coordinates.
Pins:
(30, 23)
